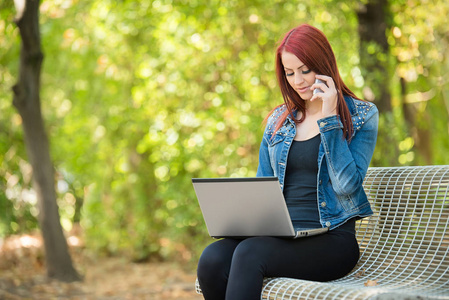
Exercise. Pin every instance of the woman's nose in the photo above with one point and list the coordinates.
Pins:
(298, 79)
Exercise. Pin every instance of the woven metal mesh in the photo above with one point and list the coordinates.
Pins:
(404, 246)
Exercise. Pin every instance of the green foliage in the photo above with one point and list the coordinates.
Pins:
(419, 39)
(141, 96)
(17, 200)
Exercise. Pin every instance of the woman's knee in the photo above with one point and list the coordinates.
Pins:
(209, 261)
(252, 250)
(215, 258)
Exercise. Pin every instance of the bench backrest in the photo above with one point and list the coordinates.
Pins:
(407, 238)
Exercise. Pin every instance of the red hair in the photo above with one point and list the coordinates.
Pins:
(313, 49)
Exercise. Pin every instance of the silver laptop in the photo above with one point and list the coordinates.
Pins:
(245, 207)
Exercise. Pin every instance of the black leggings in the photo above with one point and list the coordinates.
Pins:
(234, 269)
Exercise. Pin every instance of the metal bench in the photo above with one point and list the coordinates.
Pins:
(404, 246)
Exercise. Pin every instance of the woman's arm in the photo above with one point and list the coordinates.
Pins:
(348, 163)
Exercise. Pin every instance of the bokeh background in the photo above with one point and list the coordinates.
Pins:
(141, 96)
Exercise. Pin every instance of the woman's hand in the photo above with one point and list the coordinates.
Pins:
(329, 95)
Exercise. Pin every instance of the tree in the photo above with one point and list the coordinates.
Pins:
(27, 101)
(374, 51)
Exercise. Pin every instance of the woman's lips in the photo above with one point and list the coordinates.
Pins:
(304, 90)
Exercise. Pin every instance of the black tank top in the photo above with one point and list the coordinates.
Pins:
(300, 185)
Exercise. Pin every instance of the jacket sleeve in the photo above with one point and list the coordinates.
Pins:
(264, 168)
(348, 162)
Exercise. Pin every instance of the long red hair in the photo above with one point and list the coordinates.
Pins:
(313, 49)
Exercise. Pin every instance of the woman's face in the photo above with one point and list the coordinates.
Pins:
(299, 76)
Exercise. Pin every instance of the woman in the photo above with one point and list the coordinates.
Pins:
(319, 145)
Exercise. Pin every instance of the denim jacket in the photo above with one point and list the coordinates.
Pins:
(342, 165)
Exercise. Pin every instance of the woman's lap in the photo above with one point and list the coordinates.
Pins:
(322, 258)
(246, 262)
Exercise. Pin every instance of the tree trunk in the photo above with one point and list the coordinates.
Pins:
(373, 52)
(27, 101)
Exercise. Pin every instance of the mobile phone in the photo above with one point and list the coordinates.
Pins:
(318, 90)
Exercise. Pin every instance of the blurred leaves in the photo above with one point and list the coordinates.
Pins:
(141, 96)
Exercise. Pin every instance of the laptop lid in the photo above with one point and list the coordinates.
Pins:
(243, 207)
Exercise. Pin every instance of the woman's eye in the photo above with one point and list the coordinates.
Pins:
(289, 74)
(306, 72)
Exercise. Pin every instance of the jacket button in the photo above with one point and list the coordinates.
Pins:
(328, 224)
(320, 181)
(323, 204)
(322, 124)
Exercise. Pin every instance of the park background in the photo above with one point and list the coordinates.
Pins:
(138, 97)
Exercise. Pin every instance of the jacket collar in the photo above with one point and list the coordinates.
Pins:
(290, 119)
